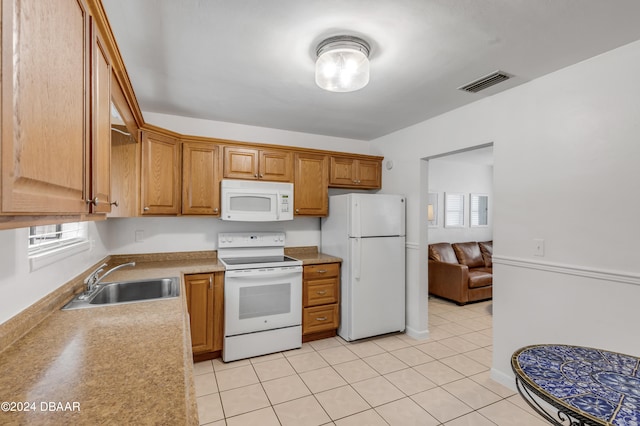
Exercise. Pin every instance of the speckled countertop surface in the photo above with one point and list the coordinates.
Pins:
(126, 364)
(310, 255)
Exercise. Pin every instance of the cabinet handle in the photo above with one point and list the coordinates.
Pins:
(358, 181)
(355, 181)
(321, 318)
(146, 209)
(210, 282)
(321, 271)
(255, 175)
(297, 210)
(321, 292)
(261, 176)
(115, 203)
(94, 201)
(215, 210)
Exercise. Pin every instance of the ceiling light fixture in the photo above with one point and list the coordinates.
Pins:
(342, 64)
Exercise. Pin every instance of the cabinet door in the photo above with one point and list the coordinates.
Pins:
(240, 163)
(125, 157)
(342, 171)
(200, 293)
(45, 98)
(218, 310)
(276, 165)
(311, 184)
(101, 125)
(200, 181)
(160, 185)
(369, 174)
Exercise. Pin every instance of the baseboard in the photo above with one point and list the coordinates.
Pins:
(504, 379)
(417, 334)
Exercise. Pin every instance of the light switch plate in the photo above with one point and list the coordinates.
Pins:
(538, 247)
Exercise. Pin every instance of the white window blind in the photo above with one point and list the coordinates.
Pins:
(454, 210)
(46, 238)
(475, 210)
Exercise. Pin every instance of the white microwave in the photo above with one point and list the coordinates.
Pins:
(256, 201)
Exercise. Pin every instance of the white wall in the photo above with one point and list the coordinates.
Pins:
(456, 177)
(174, 234)
(565, 149)
(245, 133)
(20, 287)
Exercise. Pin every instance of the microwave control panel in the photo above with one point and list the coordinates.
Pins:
(284, 203)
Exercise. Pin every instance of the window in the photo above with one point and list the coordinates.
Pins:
(50, 243)
(454, 210)
(479, 206)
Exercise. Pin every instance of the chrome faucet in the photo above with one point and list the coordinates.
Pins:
(94, 278)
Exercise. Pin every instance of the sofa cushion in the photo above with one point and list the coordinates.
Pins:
(479, 278)
(486, 248)
(469, 254)
(442, 252)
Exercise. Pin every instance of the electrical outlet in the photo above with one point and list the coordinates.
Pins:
(538, 247)
(139, 236)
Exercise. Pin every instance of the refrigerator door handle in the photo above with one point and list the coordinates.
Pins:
(357, 255)
(356, 220)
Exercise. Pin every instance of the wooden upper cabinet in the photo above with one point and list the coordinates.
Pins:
(200, 179)
(240, 163)
(350, 172)
(251, 164)
(100, 192)
(311, 195)
(369, 173)
(46, 106)
(161, 174)
(276, 165)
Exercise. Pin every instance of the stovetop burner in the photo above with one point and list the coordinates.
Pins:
(253, 250)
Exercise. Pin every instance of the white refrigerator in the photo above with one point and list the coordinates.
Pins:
(368, 232)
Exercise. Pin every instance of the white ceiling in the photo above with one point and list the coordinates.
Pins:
(252, 61)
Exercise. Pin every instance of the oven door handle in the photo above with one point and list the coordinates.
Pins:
(268, 272)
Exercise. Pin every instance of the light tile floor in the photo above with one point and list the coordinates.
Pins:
(388, 380)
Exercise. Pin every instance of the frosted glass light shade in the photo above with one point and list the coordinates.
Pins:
(342, 64)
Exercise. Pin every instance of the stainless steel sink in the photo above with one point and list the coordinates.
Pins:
(118, 293)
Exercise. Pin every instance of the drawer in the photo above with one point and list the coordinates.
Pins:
(321, 271)
(320, 292)
(319, 318)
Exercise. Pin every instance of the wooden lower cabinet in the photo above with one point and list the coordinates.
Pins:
(320, 301)
(205, 302)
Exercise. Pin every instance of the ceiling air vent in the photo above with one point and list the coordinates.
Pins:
(486, 82)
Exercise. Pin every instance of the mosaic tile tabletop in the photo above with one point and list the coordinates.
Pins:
(601, 386)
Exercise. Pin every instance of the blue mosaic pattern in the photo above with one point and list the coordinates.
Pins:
(602, 384)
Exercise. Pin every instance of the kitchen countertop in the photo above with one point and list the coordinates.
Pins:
(310, 255)
(128, 363)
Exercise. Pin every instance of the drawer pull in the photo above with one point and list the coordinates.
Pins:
(321, 271)
(321, 318)
(321, 292)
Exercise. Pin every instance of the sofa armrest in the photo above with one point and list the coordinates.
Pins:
(449, 280)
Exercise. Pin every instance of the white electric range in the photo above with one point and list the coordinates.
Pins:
(262, 295)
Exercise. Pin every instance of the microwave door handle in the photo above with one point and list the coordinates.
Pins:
(278, 205)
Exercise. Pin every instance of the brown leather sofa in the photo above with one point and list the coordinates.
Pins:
(462, 272)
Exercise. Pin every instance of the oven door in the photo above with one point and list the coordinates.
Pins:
(262, 299)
